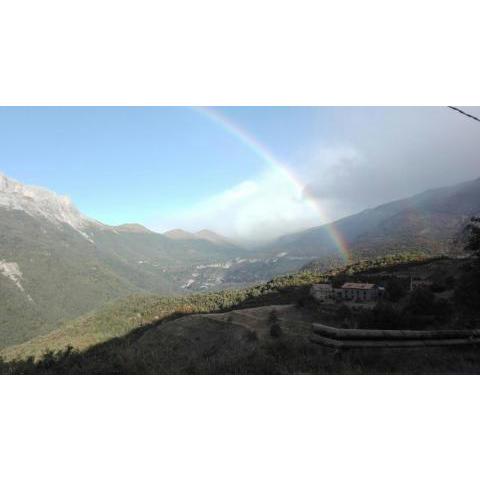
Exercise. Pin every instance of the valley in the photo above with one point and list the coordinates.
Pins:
(58, 265)
(267, 329)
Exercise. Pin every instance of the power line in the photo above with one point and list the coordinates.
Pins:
(465, 113)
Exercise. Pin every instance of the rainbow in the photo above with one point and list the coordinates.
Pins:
(262, 152)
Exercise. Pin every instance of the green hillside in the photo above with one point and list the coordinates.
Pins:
(69, 265)
(265, 329)
(62, 277)
(65, 274)
(141, 311)
(426, 223)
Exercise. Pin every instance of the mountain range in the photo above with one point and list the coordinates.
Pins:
(179, 234)
(428, 222)
(57, 264)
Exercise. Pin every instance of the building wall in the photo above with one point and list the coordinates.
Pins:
(354, 294)
(322, 293)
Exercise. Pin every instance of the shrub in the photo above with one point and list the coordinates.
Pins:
(252, 336)
(438, 287)
(450, 282)
(395, 290)
(338, 280)
(382, 317)
(343, 313)
(273, 317)
(467, 291)
(276, 331)
(443, 309)
(421, 302)
(472, 231)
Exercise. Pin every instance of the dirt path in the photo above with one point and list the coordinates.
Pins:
(292, 320)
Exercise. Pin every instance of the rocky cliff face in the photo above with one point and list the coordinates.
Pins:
(41, 203)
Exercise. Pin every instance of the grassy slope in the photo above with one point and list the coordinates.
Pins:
(67, 276)
(123, 316)
(145, 334)
(120, 317)
(56, 264)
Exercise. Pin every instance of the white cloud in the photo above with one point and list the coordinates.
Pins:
(369, 157)
(382, 154)
(257, 210)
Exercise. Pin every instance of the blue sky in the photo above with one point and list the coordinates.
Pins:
(175, 167)
(134, 164)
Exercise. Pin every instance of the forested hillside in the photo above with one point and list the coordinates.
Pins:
(427, 223)
(125, 315)
(266, 329)
(56, 264)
